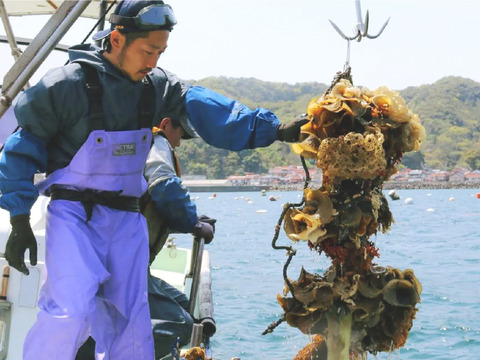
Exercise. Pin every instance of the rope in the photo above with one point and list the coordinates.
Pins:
(288, 206)
(273, 325)
(345, 74)
(290, 250)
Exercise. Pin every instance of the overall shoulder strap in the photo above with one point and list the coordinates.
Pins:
(147, 103)
(95, 96)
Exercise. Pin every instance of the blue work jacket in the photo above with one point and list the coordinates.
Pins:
(53, 116)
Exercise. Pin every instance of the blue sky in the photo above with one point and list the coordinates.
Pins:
(293, 41)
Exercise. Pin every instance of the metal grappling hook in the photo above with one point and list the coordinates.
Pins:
(361, 30)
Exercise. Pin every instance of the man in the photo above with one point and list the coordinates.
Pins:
(168, 208)
(87, 125)
(168, 197)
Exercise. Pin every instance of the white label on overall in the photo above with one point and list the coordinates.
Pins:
(124, 149)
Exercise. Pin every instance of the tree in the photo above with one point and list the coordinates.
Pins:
(253, 163)
(413, 160)
(231, 164)
(448, 109)
(215, 169)
(198, 169)
(472, 158)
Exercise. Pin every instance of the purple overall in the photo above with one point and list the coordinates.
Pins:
(97, 269)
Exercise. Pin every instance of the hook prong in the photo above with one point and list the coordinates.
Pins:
(361, 29)
(380, 32)
(367, 21)
(341, 33)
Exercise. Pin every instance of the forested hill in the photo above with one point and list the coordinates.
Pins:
(449, 109)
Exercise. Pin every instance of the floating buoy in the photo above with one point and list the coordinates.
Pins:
(451, 198)
(214, 195)
(393, 195)
(478, 195)
(408, 201)
(264, 192)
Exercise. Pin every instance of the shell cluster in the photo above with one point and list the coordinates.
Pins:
(358, 133)
(382, 302)
(343, 218)
(356, 137)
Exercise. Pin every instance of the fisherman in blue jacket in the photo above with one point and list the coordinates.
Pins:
(87, 126)
(168, 206)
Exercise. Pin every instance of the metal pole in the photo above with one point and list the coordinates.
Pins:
(197, 256)
(197, 335)
(101, 24)
(360, 24)
(8, 31)
(38, 50)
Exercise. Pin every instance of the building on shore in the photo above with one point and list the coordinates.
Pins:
(293, 178)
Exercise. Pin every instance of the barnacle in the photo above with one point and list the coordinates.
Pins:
(353, 156)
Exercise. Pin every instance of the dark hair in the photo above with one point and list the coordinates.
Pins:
(175, 122)
(129, 38)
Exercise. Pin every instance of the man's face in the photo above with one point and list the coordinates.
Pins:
(140, 57)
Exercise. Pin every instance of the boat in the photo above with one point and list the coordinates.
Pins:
(185, 269)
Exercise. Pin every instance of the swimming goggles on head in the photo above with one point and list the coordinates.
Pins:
(149, 18)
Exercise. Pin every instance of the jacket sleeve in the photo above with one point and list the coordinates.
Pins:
(170, 197)
(228, 124)
(173, 201)
(23, 155)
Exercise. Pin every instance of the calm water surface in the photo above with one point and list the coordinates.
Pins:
(437, 235)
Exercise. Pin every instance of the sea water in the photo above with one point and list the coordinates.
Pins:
(436, 233)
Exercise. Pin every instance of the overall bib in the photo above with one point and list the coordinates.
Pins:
(97, 267)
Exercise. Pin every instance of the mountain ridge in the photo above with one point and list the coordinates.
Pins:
(449, 109)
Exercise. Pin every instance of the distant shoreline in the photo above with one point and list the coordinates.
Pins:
(431, 185)
(209, 186)
(404, 185)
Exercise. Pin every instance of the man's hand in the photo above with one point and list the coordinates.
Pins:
(205, 218)
(205, 228)
(21, 238)
(290, 132)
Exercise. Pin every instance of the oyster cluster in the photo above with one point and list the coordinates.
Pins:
(344, 218)
(359, 133)
(356, 137)
(381, 301)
